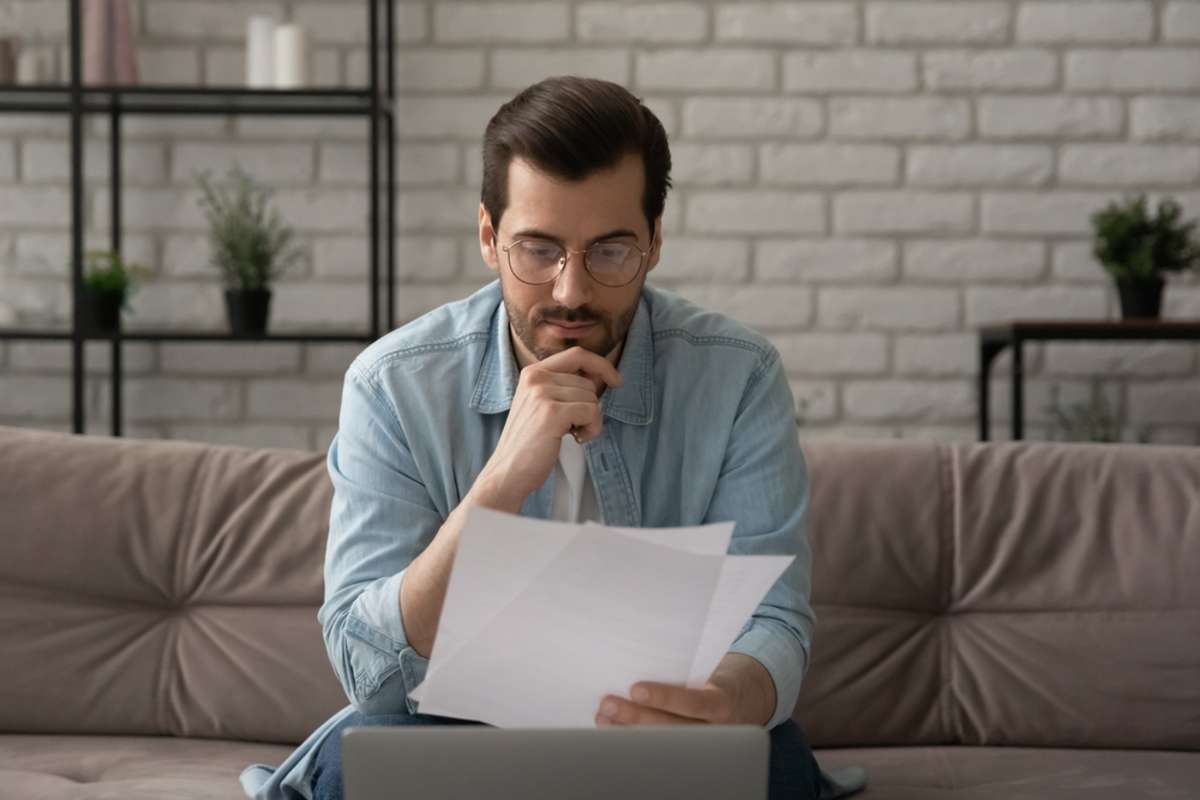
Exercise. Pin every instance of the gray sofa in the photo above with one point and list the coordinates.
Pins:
(1000, 620)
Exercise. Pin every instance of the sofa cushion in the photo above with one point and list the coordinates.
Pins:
(155, 587)
(1004, 593)
(151, 768)
(127, 767)
(1023, 593)
(1008, 773)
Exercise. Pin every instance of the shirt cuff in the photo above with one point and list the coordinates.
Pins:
(378, 609)
(785, 659)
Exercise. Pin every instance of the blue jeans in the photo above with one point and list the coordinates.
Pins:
(794, 774)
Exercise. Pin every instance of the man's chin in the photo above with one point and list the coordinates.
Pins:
(551, 345)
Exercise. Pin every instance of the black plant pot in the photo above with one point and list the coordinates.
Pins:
(1140, 298)
(102, 309)
(248, 311)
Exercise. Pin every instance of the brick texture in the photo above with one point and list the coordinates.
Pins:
(864, 181)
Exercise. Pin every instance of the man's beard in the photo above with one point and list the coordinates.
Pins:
(614, 329)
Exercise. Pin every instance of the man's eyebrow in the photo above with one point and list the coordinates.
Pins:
(534, 233)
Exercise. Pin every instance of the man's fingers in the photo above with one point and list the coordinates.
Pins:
(702, 704)
(578, 359)
(572, 379)
(570, 394)
(585, 419)
(619, 711)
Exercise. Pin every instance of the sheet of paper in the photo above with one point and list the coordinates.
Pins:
(507, 552)
(498, 556)
(542, 619)
(712, 539)
(740, 588)
(609, 611)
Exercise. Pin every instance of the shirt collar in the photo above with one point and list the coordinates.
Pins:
(632, 402)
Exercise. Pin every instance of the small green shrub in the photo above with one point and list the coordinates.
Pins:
(1133, 245)
(106, 271)
(250, 244)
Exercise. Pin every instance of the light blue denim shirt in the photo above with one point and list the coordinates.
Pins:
(702, 430)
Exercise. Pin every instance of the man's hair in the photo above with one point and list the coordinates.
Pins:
(570, 127)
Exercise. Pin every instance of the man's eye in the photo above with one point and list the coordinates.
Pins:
(612, 252)
(542, 251)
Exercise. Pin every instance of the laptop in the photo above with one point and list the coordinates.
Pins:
(692, 762)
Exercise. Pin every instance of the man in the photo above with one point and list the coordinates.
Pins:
(567, 389)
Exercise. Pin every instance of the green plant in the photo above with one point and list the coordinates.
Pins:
(250, 243)
(1092, 421)
(1132, 245)
(106, 271)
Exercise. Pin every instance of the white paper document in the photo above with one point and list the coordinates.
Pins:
(542, 619)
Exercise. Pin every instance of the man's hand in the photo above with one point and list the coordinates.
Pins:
(665, 704)
(740, 692)
(553, 397)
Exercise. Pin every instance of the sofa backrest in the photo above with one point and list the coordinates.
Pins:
(1020, 593)
(159, 587)
(1002, 593)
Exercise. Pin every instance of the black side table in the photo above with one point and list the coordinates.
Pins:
(994, 338)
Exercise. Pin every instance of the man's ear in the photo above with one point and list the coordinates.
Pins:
(487, 240)
(656, 246)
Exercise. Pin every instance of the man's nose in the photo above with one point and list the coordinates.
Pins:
(573, 287)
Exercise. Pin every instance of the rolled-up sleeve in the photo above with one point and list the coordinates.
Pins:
(381, 518)
(764, 488)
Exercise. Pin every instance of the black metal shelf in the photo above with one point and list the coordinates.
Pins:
(995, 338)
(33, 333)
(193, 100)
(150, 335)
(77, 101)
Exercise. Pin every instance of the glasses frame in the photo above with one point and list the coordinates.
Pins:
(562, 262)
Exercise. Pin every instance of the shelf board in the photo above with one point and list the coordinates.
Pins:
(1079, 329)
(192, 100)
(177, 335)
(225, 336)
(34, 333)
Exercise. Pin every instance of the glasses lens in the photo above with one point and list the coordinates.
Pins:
(613, 263)
(610, 263)
(535, 261)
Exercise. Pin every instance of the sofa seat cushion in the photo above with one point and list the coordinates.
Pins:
(154, 767)
(995, 773)
(51, 767)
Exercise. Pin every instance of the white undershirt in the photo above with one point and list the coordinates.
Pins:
(574, 495)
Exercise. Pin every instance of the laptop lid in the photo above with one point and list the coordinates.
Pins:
(697, 762)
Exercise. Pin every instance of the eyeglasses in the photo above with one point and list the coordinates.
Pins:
(539, 261)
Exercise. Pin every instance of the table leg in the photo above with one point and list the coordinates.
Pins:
(1018, 390)
(988, 350)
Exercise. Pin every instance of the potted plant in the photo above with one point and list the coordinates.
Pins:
(1093, 421)
(108, 283)
(1138, 250)
(250, 245)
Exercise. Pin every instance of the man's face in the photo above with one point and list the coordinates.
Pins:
(573, 309)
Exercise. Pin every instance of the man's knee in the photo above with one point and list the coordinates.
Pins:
(326, 783)
(794, 769)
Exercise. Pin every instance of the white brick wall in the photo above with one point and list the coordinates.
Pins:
(936, 23)
(1098, 22)
(787, 23)
(989, 69)
(865, 181)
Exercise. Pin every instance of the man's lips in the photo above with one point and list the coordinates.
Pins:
(569, 327)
